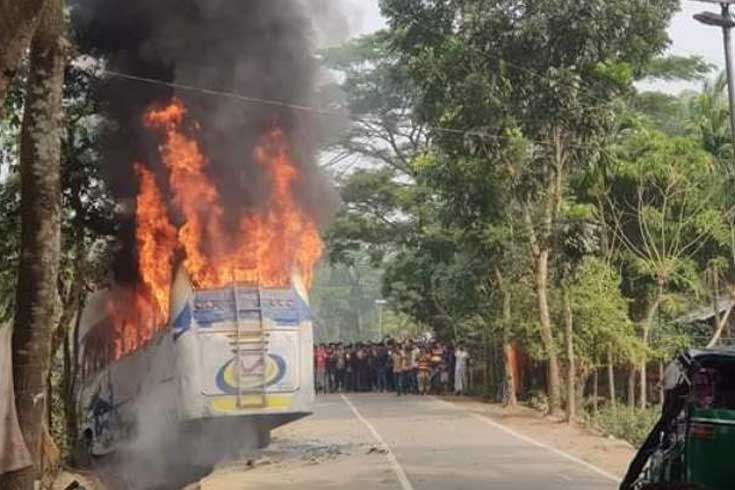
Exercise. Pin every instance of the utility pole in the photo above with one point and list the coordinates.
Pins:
(725, 21)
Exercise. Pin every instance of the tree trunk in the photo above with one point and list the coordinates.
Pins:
(720, 322)
(569, 344)
(486, 385)
(611, 376)
(631, 387)
(70, 418)
(541, 276)
(511, 398)
(541, 238)
(37, 308)
(595, 390)
(643, 386)
(71, 368)
(583, 378)
(647, 327)
(661, 369)
(18, 21)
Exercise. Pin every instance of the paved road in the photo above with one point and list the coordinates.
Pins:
(435, 445)
(369, 442)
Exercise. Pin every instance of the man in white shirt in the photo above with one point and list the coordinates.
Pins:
(460, 369)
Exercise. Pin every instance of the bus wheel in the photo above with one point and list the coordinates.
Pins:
(264, 437)
(82, 450)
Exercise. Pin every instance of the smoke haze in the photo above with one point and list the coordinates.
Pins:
(258, 48)
(262, 49)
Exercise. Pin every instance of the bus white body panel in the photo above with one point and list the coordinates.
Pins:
(238, 353)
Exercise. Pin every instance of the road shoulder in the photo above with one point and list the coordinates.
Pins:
(606, 453)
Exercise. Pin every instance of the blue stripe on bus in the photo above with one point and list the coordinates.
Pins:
(285, 308)
(182, 324)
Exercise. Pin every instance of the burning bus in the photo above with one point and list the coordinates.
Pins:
(240, 352)
(211, 348)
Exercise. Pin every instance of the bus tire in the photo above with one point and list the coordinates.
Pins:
(264, 437)
(81, 452)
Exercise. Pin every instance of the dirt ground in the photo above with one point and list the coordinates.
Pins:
(87, 481)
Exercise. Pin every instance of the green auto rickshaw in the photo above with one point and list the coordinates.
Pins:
(693, 444)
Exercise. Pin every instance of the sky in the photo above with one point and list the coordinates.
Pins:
(687, 35)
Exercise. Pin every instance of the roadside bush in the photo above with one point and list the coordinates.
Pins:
(538, 400)
(630, 424)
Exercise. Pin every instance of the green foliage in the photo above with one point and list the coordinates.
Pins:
(88, 223)
(710, 118)
(601, 319)
(479, 65)
(676, 68)
(630, 424)
(343, 301)
(379, 210)
(663, 196)
(667, 113)
(12, 116)
(10, 245)
(377, 90)
(10, 126)
(490, 132)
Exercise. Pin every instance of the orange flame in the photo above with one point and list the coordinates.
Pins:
(194, 194)
(135, 321)
(156, 238)
(288, 238)
(266, 249)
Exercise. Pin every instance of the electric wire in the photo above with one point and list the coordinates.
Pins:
(306, 108)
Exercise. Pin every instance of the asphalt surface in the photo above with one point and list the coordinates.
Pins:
(430, 444)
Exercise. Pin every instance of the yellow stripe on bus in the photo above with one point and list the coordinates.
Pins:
(252, 402)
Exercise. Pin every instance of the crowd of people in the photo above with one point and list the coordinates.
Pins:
(403, 367)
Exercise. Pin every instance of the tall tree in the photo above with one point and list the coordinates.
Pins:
(662, 202)
(602, 325)
(378, 93)
(547, 69)
(373, 159)
(37, 308)
(88, 222)
(577, 239)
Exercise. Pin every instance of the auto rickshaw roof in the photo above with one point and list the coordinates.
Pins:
(721, 353)
(676, 371)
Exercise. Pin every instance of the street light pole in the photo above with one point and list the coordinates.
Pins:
(726, 22)
(727, 37)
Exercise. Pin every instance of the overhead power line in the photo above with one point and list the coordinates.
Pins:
(305, 108)
(219, 93)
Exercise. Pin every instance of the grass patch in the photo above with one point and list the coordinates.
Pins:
(630, 424)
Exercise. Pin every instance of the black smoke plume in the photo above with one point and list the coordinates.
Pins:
(258, 48)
